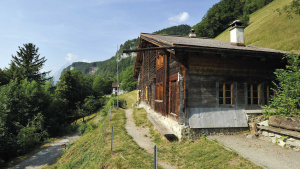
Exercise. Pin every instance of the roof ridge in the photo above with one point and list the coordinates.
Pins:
(176, 36)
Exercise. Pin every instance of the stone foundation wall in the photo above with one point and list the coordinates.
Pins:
(256, 117)
(281, 140)
(192, 133)
(169, 123)
(185, 132)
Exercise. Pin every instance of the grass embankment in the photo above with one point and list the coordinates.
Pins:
(92, 150)
(268, 29)
(192, 154)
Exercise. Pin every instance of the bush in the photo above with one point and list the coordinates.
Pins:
(287, 90)
(86, 127)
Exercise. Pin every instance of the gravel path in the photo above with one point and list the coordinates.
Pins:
(47, 155)
(138, 135)
(262, 153)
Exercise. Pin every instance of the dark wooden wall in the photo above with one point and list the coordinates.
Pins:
(206, 70)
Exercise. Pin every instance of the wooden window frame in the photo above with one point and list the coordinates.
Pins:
(159, 92)
(268, 93)
(254, 94)
(224, 91)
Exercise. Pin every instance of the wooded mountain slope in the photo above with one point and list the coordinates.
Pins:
(269, 29)
(109, 66)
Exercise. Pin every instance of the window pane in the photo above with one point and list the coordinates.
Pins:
(220, 93)
(221, 101)
(255, 94)
(249, 87)
(249, 100)
(220, 86)
(249, 94)
(255, 100)
(228, 93)
(228, 100)
(254, 87)
(227, 86)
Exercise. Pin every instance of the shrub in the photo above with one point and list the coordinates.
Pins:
(287, 89)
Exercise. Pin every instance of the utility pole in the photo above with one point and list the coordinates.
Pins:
(118, 79)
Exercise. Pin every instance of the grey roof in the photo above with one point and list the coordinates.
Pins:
(169, 40)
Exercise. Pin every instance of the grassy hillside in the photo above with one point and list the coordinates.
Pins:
(268, 29)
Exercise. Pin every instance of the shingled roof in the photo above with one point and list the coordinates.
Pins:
(173, 43)
(183, 41)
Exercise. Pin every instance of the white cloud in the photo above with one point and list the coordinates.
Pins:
(85, 60)
(183, 16)
(70, 57)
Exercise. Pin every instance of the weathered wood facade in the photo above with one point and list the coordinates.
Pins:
(182, 77)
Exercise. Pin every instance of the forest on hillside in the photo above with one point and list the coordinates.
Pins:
(108, 68)
(220, 15)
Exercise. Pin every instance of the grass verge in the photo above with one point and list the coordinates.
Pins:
(191, 154)
(93, 149)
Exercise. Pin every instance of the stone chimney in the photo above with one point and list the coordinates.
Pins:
(192, 33)
(237, 33)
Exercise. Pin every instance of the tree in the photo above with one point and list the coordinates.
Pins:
(292, 8)
(29, 61)
(128, 83)
(71, 89)
(287, 89)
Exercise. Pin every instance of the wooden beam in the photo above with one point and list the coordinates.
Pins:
(146, 49)
(212, 49)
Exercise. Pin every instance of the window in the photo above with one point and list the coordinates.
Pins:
(253, 94)
(226, 95)
(268, 93)
(159, 92)
(159, 61)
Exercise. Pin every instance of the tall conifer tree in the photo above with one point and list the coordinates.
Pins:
(29, 61)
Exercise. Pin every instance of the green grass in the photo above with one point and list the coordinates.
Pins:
(191, 154)
(268, 29)
(92, 150)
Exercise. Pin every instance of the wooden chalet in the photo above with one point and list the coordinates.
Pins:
(202, 82)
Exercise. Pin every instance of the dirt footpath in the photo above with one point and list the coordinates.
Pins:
(260, 152)
(47, 155)
(138, 135)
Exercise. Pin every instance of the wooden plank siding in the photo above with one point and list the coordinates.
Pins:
(207, 69)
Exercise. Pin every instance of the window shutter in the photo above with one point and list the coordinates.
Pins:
(246, 93)
(235, 94)
(262, 95)
(217, 94)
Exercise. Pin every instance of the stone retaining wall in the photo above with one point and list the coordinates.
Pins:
(182, 131)
(281, 140)
(169, 123)
(194, 133)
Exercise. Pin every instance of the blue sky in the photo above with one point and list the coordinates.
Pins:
(87, 30)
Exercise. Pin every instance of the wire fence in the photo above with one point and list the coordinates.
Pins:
(133, 161)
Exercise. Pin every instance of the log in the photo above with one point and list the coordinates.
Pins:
(253, 128)
(285, 122)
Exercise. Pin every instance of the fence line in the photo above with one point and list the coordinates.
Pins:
(141, 150)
